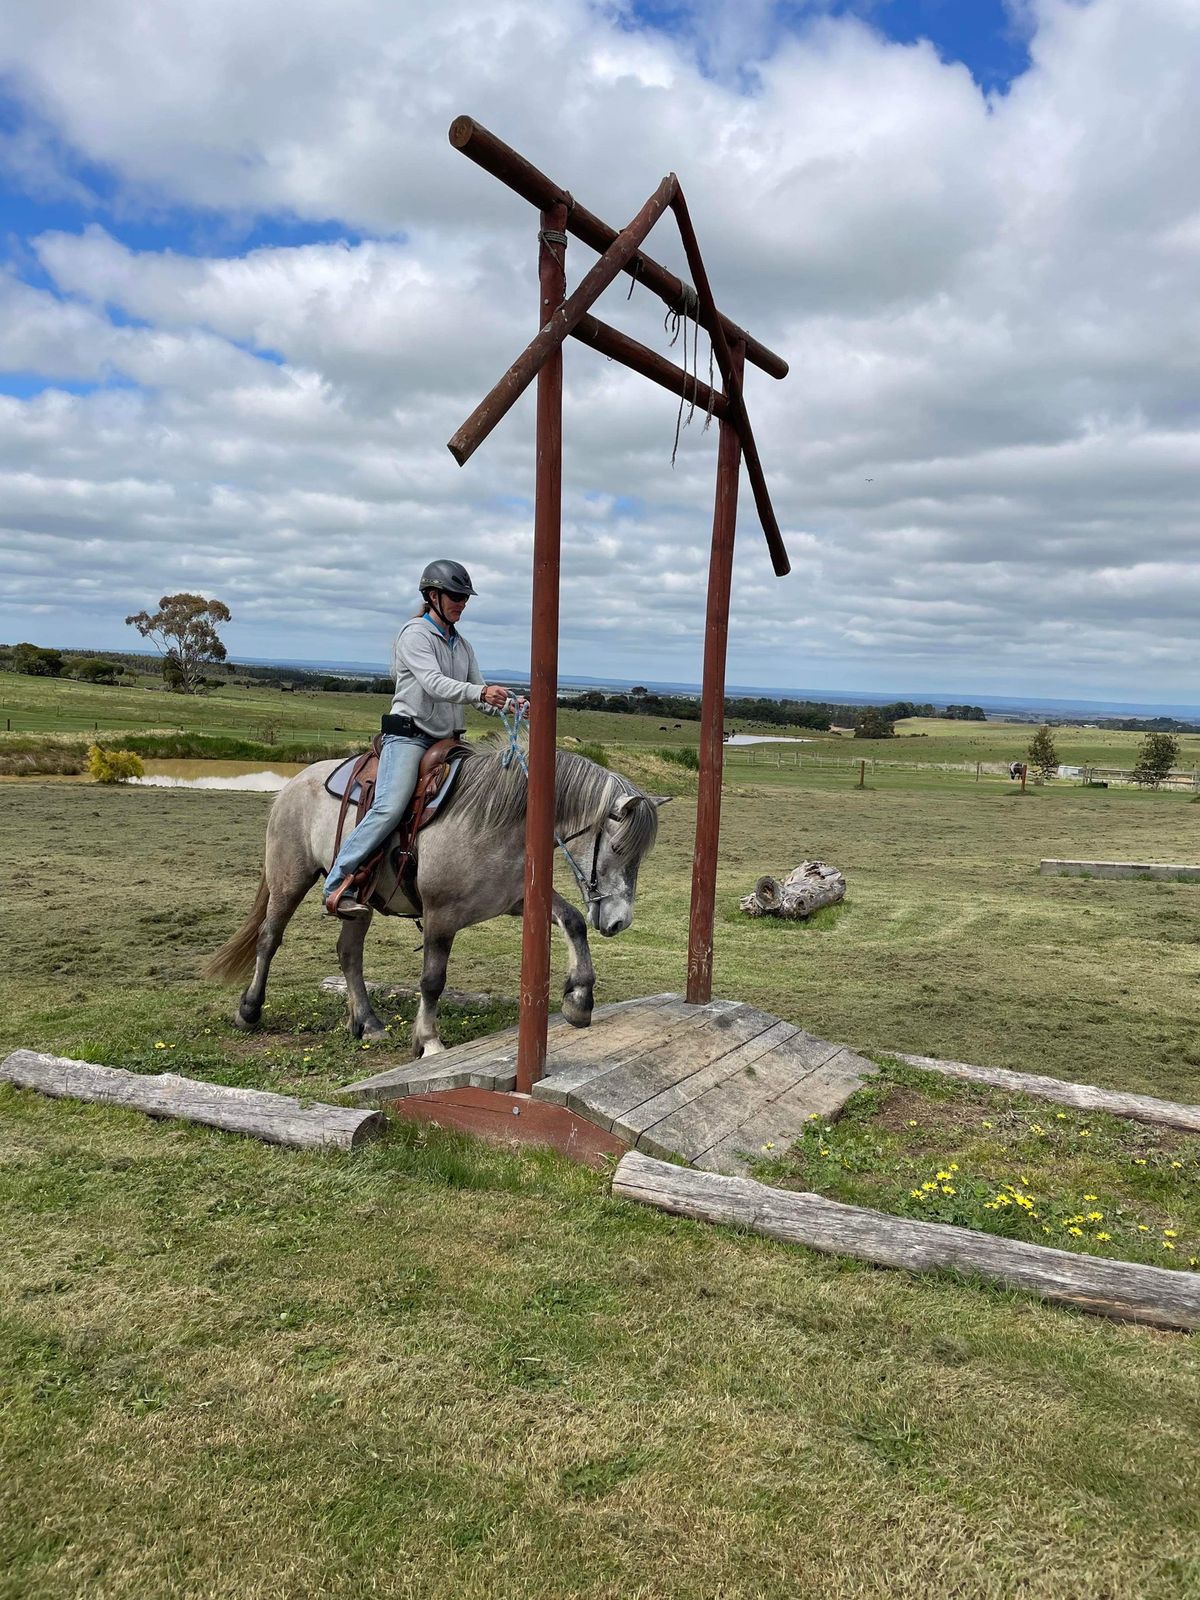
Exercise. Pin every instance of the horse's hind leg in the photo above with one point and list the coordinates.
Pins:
(581, 975)
(364, 1024)
(426, 1040)
(284, 898)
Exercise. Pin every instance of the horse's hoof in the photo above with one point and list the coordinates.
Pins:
(374, 1031)
(247, 1022)
(431, 1047)
(577, 1008)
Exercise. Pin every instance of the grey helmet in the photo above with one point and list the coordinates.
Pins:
(451, 576)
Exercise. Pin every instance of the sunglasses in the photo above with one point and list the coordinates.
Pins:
(454, 598)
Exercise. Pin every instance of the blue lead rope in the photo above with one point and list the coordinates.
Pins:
(513, 726)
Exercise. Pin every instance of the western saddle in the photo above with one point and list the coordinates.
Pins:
(439, 768)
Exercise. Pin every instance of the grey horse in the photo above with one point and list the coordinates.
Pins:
(470, 867)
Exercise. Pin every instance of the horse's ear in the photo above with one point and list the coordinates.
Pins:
(660, 800)
(622, 805)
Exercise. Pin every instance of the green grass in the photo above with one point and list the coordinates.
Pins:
(443, 1370)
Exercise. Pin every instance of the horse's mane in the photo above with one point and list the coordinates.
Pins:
(495, 796)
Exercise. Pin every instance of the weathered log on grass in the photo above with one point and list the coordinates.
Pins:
(1117, 1289)
(1083, 1096)
(812, 885)
(276, 1118)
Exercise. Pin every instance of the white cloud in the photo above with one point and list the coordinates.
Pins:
(984, 458)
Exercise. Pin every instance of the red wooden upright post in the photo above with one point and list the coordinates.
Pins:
(712, 707)
(543, 670)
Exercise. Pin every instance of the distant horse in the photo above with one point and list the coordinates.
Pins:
(470, 867)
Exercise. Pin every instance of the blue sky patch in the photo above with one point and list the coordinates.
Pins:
(979, 33)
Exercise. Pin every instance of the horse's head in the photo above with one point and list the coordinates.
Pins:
(621, 842)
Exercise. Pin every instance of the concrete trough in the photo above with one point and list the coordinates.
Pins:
(1119, 869)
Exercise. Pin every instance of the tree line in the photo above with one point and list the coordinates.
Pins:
(868, 722)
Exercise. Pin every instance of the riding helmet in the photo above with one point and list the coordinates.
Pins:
(446, 575)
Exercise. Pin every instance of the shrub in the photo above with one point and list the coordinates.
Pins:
(114, 766)
(593, 752)
(683, 756)
(1043, 757)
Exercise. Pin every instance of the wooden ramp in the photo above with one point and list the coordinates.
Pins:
(712, 1084)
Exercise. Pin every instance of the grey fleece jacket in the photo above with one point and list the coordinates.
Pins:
(435, 677)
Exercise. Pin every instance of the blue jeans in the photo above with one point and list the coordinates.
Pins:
(399, 767)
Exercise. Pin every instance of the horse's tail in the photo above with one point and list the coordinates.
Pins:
(235, 959)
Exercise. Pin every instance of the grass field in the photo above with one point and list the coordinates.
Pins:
(431, 1369)
(65, 709)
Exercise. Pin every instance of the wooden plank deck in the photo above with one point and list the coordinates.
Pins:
(712, 1084)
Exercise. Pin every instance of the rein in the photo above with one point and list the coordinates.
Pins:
(587, 886)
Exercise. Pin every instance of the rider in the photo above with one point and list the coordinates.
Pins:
(436, 676)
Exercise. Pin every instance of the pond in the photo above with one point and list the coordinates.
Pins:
(249, 776)
(764, 738)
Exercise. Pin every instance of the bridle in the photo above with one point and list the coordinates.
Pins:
(587, 886)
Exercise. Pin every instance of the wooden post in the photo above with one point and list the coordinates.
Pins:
(1024, 775)
(862, 773)
(543, 672)
(712, 707)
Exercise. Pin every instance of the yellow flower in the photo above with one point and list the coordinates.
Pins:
(1061, 1115)
(159, 1045)
(1139, 1161)
(947, 1188)
(928, 1185)
(916, 1193)
(912, 1122)
(1076, 1232)
(1091, 1197)
(1104, 1237)
(1085, 1133)
(942, 1177)
(1095, 1216)
(954, 1166)
(1177, 1163)
(987, 1124)
(1142, 1228)
(1037, 1128)
(823, 1151)
(1169, 1233)
(1167, 1245)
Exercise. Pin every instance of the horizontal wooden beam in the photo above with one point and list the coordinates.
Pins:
(629, 352)
(494, 156)
(1118, 1289)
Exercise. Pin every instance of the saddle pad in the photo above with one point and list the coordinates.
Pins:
(335, 783)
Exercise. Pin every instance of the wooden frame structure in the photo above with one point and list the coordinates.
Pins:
(561, 317)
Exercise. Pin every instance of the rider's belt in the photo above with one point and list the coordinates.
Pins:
(404, 726)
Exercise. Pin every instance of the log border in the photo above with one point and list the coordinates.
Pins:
(1082, 1096)
(1122, 1290)
(274, 1118)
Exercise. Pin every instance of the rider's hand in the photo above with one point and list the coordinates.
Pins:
(495, 696)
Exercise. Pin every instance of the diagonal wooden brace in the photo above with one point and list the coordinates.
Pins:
(550, 338)
(712, 323)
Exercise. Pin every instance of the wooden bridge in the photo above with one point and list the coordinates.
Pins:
(713, 1084)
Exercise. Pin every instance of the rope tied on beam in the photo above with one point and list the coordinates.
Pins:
(687, 309)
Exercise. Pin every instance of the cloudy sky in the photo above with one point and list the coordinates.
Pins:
(248, 291)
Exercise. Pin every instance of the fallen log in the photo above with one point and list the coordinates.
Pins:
(810, 886)
(1083, 1096)
(1117, 1289)
(276, 1118)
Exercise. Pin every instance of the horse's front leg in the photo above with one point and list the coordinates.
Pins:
(581, 975)
(426, 1040)
(364, 1024)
